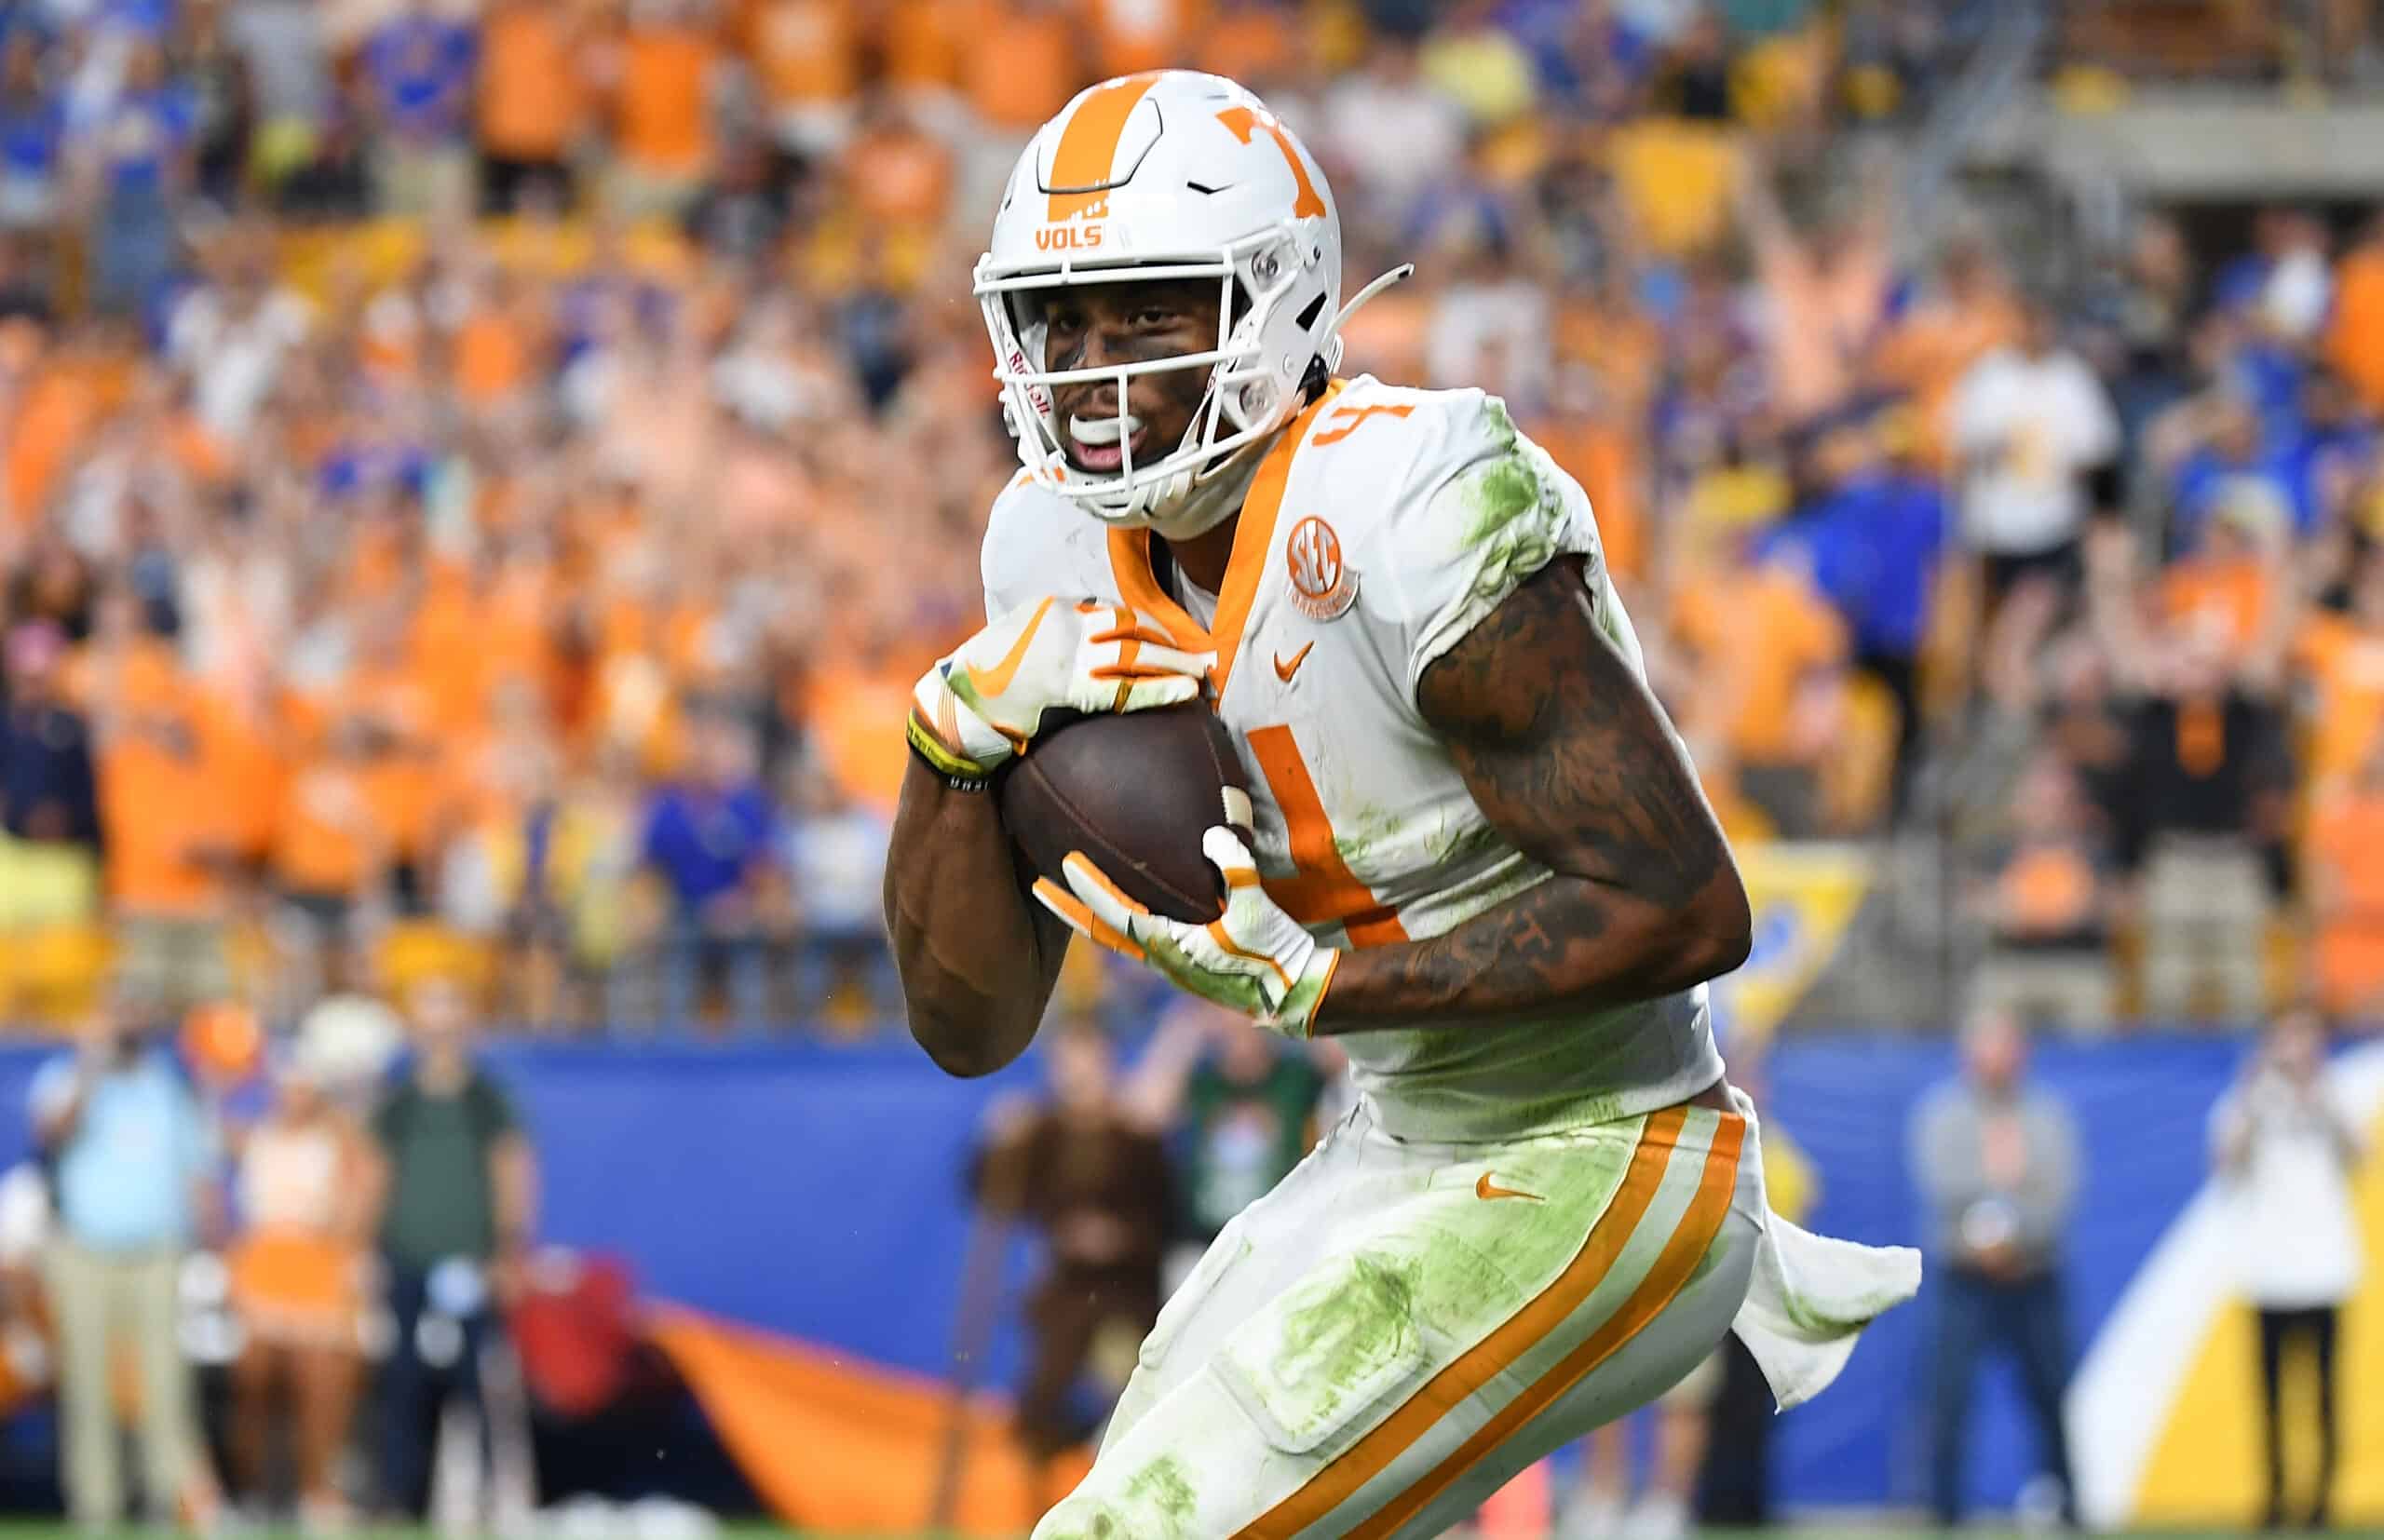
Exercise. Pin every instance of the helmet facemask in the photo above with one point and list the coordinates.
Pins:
(1261, 356)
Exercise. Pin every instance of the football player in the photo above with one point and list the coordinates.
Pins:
(1481, 857)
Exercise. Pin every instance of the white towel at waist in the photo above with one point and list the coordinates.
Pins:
(1811, 1298)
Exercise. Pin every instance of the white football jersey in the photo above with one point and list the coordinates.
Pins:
(1381, 528)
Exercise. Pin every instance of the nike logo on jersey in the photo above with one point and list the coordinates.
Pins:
(1285, 669)
(1485, 1189)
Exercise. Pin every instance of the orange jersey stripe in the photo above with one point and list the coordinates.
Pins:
(1373, 1454)
(1326, 889)
(1253, 538)
(1691, 1241)
(1085, 159)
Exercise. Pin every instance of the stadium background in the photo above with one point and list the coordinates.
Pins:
(436, 437)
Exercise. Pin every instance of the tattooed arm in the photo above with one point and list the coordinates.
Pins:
(1565, 752)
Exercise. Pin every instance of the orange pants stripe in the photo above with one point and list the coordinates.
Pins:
(1673, 1267)
(1454, 1386)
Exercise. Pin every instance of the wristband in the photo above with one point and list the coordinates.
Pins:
(955, 771)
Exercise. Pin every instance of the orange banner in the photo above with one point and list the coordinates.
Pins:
(836, 1445)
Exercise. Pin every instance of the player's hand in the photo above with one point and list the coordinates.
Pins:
(1255, 958)
(984, 704)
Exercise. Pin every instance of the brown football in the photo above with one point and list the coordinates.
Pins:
(1134, 793)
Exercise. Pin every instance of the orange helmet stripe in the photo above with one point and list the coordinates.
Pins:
(1087, 154)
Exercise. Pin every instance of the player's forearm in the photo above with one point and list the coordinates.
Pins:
(1569, 944)
(975, 967)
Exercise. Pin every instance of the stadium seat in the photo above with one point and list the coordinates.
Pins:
(52, 974)
(1677, 176)
(415, 950)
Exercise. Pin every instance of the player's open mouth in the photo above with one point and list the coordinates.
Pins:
(1100, 443)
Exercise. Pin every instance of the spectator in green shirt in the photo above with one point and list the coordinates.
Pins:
(458, 1183)
(1242, 1105)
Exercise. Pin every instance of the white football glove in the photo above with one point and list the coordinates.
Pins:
(984, 704)
(1255, 958)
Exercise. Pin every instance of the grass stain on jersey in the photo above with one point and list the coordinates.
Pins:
(1512, 522)
(1462, 841)
(1358, 835)
(1348, 1334)
(1577, 1176)
(1503, 432)
(1234, 992)
(1157, 1502)
(1160, 1489)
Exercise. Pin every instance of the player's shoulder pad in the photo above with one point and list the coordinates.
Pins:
(1036, 543)
(1475, 507)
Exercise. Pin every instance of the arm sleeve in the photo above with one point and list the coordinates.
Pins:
(1490, 509)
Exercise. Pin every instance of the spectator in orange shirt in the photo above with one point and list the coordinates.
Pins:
(533, 107)
(1826, 292)
(54, 414)
(496, 346)
(805, 55)
(2339, 656)
(331, 856)
(1022, 62)
(1971, 313)
(2228, 589)
(2346, 890)
(303, 1179)
(2048, 906)
(2354, 340)
(165, 857)
(1134, 35)
(1252, 41)
(919, 46)
(1770, 659)
(898, 175)
(669, 62)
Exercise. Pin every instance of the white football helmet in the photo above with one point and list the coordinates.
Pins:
(1171, 174)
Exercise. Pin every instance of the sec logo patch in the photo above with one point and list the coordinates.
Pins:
(1322, 585)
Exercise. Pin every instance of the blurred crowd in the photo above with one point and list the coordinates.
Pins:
(281, 1271)
(479, 480)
